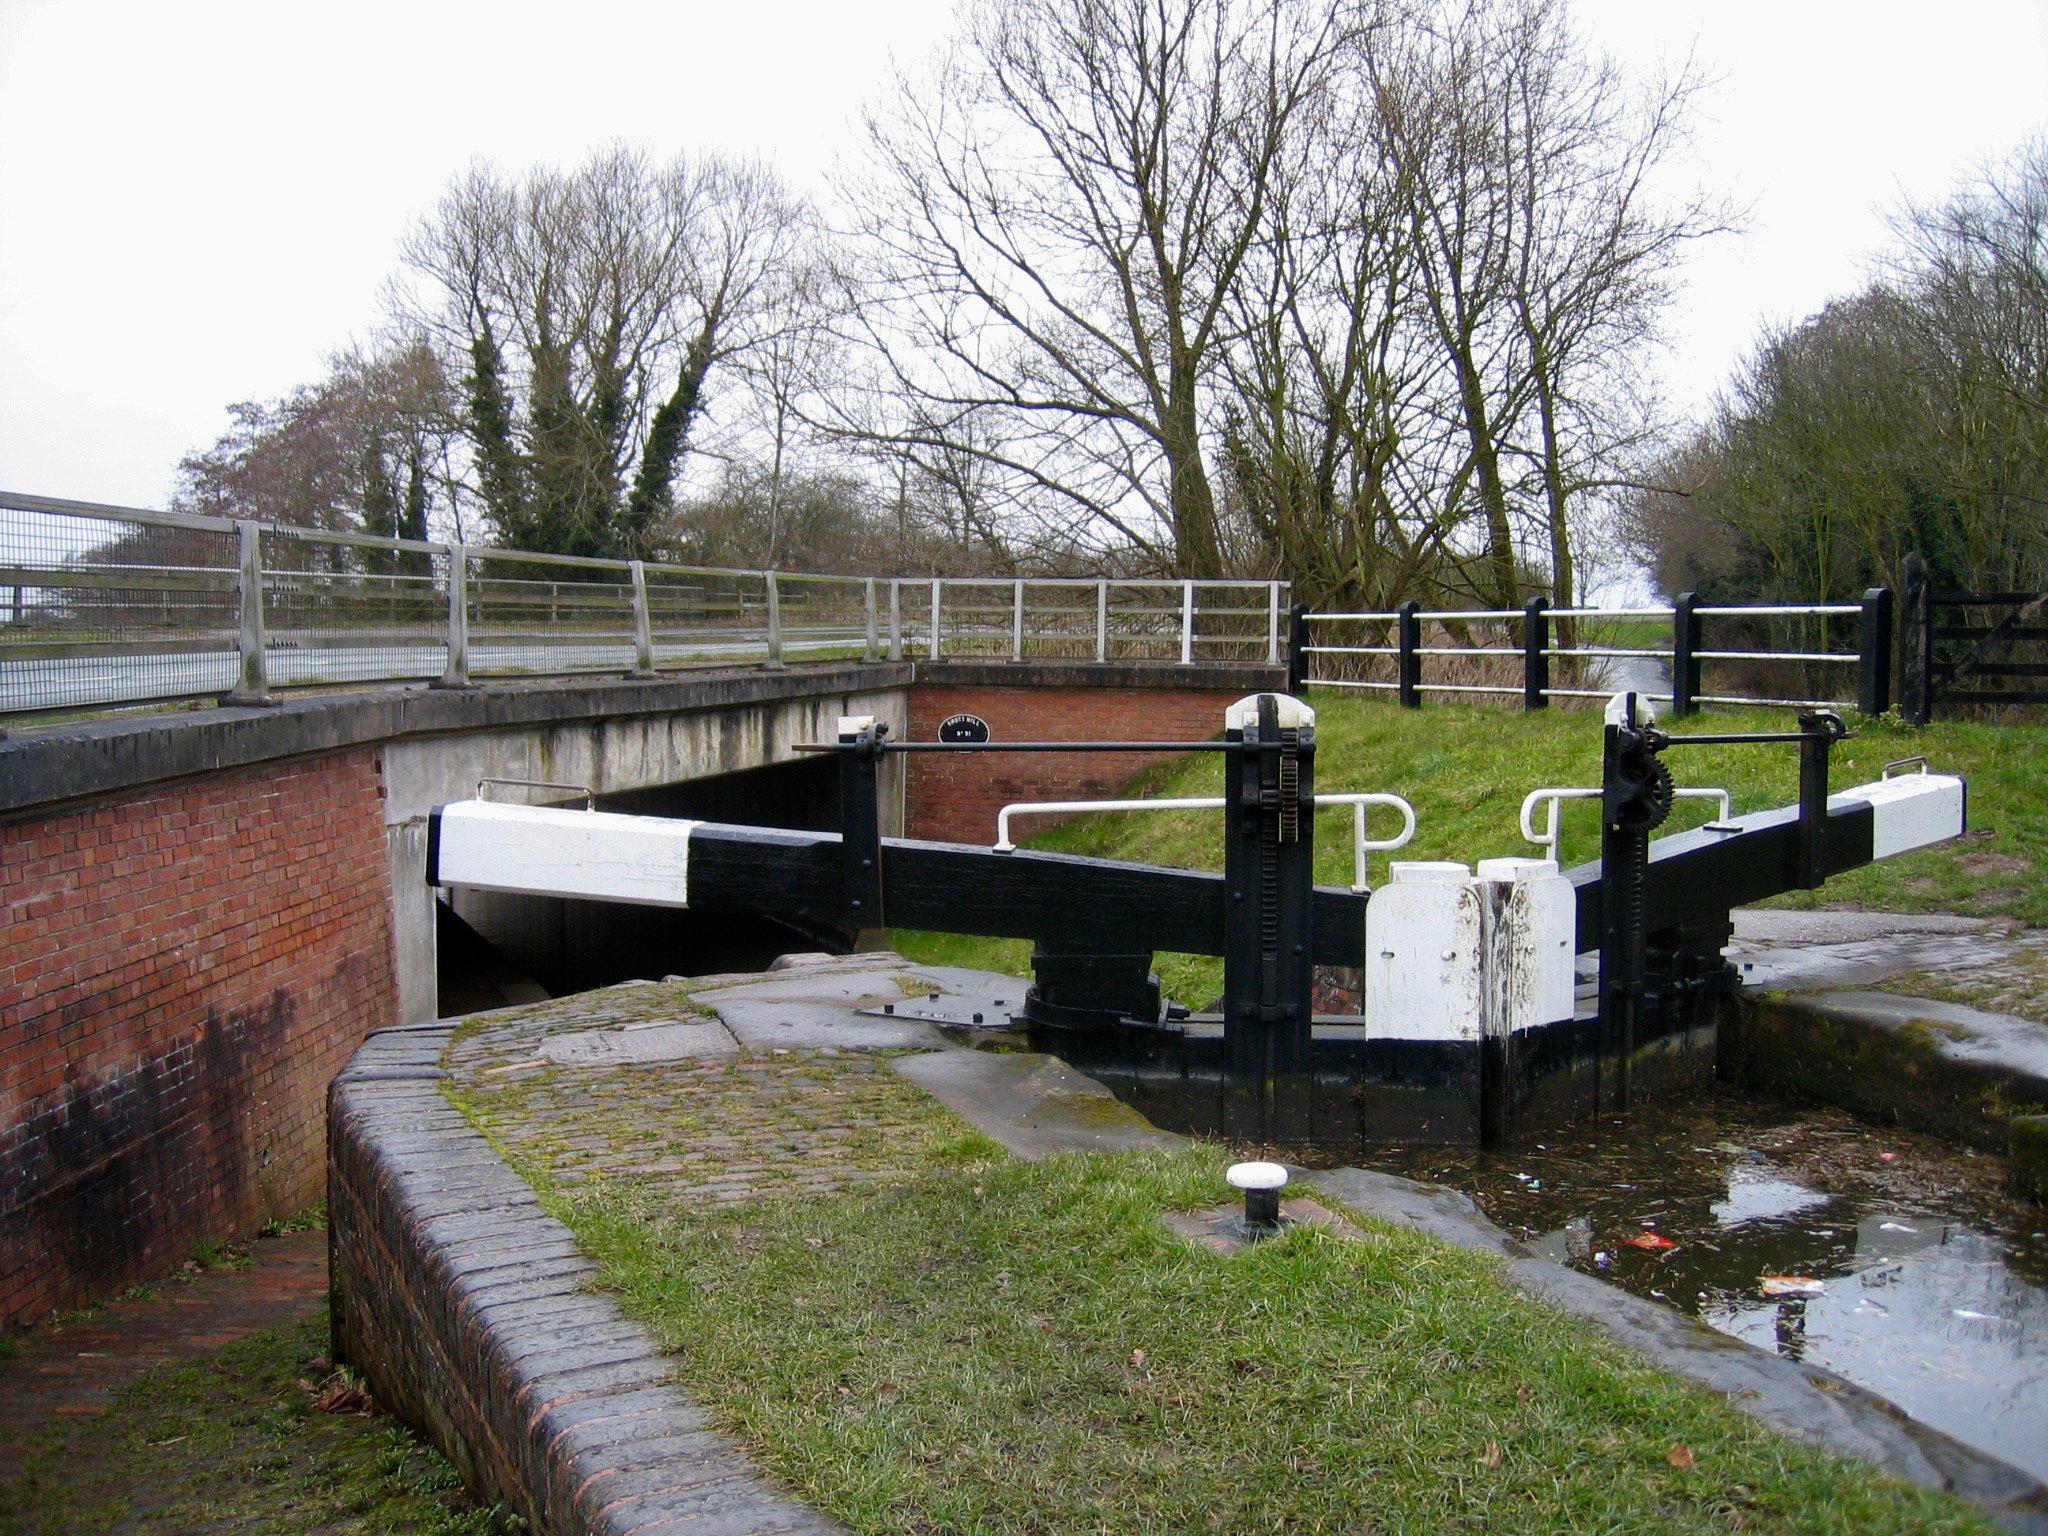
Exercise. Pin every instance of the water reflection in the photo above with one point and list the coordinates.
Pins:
(1944, 1311)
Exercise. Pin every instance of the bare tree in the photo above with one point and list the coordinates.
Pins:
(367, 449)
(584, 312)
(1911, 416)
(1060, 213)
(1544, 258)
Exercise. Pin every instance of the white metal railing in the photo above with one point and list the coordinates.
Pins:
(104, 605)
(1385, 651)
(1361, 845)
(1555, 799)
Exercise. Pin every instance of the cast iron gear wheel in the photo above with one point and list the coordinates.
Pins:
(1654, 794)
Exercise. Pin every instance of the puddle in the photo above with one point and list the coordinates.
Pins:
(1932, 1286)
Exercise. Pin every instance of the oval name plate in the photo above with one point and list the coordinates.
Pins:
(968, 728)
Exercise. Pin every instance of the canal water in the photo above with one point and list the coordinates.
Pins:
(1888, 1257)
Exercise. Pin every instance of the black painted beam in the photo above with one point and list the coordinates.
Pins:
(1701, 874)
(958, 888)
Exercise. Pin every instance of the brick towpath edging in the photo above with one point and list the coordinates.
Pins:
(460, 1300)
(73, 1369)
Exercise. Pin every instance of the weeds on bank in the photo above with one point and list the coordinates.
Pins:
(263, 1437)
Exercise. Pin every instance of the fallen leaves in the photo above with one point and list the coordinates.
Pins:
(1493, 1455)
(339, 1394)
(1680, 1456)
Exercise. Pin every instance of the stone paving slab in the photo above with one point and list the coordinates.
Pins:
(1034, 1105)
(636, 1044)
(819, 1005)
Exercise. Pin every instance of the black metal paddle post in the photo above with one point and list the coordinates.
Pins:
(860, 821)
(1635, 798)
(1268, 877)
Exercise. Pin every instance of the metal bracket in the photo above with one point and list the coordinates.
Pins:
(589, 798)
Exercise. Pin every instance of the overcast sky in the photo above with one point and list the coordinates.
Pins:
(200, 201)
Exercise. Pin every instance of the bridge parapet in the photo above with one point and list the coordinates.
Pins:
(104, 606)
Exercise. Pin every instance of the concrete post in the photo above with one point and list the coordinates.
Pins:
(1017, 622)
(643, 627)
(1187, 622)
(774, 619)
(252, 684)
(868, 603)
(1102, 621)
(895, 619)
(456, 673)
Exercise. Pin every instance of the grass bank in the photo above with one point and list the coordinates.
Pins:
(262, 1437)
(1465, 768)
(979, 1345)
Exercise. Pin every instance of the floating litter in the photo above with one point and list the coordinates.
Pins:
(1793, 1285)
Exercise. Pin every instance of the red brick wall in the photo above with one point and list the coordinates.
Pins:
(954, 797)
(181, 974)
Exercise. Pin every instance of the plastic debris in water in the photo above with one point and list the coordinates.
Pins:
(1887, 1157)
(1897, 1226)
(1978, 1317)
(1792, 1285)
(1603, 1259)
(1654, 1241)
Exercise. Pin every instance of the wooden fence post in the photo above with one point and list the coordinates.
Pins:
(1685, 666)
(1409, 662)
(1874, 680)
(1536, 654)
(1916, 642)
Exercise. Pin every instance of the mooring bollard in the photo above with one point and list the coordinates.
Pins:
(1261, 1183)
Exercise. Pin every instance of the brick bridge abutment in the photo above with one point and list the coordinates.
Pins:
(207, 911)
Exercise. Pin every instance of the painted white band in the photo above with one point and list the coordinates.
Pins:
(543, 851)
(1914, 810)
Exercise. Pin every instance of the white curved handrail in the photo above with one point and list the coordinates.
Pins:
(1555, 797)
(1359, 803)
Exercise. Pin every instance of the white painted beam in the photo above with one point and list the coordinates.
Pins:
(542, 851)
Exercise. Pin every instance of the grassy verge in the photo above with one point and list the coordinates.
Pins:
(1466, 768)
(982, 1345)
(239, 1441)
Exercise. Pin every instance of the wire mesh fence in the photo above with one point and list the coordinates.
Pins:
(85, 596)
(106, 606)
